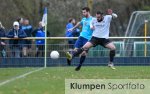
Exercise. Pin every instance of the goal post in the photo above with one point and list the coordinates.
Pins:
(139, 25)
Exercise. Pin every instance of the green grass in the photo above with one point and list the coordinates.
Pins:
(7, 73)
(52, 80)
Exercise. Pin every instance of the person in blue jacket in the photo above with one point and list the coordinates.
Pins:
(39, 32)
(74, 33)
(16, 44)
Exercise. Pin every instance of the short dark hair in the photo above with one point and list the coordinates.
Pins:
(86, 8)
(19, 18)
(99, 12)
(70, 20)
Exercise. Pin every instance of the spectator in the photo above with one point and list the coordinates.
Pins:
(16, 44)
(39, 32)
(74, 33)
(27, 28)
(2, 43)
(20, 20)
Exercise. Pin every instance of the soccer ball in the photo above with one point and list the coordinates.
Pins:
(54, 54)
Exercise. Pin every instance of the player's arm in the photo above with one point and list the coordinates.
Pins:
(74, 27)
(92, 25)
(110, 12)
(114, 15)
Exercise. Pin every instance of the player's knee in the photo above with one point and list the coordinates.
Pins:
(84, 53)
(113, 48)
(75, 50)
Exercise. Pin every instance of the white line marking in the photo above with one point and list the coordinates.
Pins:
(19, 77)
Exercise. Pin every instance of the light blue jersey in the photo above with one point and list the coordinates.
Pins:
(86, 31)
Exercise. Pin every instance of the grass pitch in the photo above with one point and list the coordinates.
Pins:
(52, 80)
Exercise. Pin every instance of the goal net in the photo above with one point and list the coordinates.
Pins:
(139, 25)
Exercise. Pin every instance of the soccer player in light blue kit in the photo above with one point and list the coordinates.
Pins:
(84, 37)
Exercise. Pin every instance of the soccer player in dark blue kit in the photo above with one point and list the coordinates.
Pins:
(84, 37)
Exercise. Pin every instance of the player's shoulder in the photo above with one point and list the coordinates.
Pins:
(94, 19)
(108, 16)
(84, 18)
(91, 17)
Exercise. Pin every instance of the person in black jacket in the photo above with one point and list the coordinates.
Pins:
(16, 44)
(2, 43)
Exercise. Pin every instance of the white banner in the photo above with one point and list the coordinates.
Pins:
(107, 86)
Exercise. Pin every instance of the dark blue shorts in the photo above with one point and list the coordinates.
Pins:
(80, 42)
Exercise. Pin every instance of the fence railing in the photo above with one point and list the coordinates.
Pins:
(34, 50)
(26, 55)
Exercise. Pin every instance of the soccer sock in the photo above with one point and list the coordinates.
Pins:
(79, 51)
(82, 59)
(112, 55)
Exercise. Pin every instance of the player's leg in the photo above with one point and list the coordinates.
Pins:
(86, 47)
(112, 53)
(76, 45)
(84, 51)
(69, 55)
(82, 55)
(82, 59)
(79, 51)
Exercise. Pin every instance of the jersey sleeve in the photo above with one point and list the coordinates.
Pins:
(81, 22)
(114, 15)
(92, 22)
(109, 18)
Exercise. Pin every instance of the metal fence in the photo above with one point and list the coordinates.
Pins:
(33, 50)
(33, 55)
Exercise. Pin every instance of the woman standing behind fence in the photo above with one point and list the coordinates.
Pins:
(2, 43)
(39, 32)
